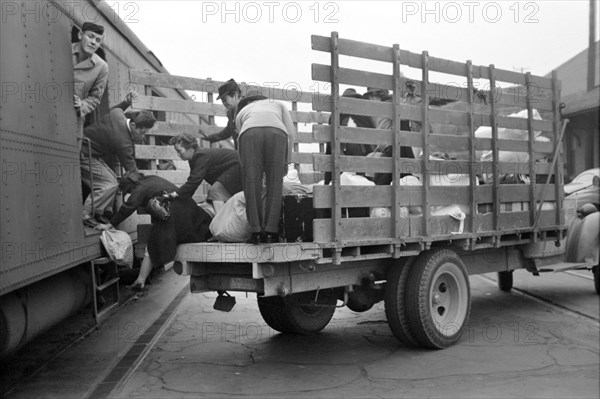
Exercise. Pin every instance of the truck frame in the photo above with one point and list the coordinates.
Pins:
(437, 232)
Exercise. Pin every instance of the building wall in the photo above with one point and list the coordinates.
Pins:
(573, 73)
(582, 143)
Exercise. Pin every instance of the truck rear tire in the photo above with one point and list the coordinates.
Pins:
(296, 313)
(505, 280)
(395, 304)
(438, 299)
(306, 318)
(273, 312)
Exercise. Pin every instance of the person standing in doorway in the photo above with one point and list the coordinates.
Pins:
(90, 72)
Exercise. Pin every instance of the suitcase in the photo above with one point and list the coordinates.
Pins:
(297, 214)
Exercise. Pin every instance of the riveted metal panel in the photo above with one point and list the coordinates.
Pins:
(40, 209)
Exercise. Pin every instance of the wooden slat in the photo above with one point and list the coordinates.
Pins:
(303, 158)
(306, 137)
(352, 229)
(309, 117)
(512, 193)
(381, 196)
(354, 106)
(546, 221)
(383, 53)
(194, 107)
(359, 135)
(353, 77)
(155, 152)
(173, 81)
(176, 177)
(172, 129)
(179, 106)
(374, 229)
(513, 220)
(324, 163)
(504, 97)
(385, 137)
(353, 196)
(211, 86)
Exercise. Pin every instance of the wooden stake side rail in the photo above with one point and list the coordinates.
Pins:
(437, 115)
(507, 208)
(514, 96)
(383, 53)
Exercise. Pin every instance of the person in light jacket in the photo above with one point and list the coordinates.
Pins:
(266, 137)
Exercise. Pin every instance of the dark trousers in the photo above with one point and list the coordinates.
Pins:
(263, 151)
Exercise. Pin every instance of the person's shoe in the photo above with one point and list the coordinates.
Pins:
(254, 239)
(137, 287)
(101, 219)
(90, 222)
(270, 238)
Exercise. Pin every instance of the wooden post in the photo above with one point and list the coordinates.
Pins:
(151, 139)
(558, 167)
(396, 160)
(472, 153)
(425, 136)
(296, 147)
(495, 169)
(532, 174)
(336, 209)
(211, 118)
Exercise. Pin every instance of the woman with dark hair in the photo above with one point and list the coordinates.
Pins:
(230, 94)
(266, 136)
(186, 223)
(219, 167)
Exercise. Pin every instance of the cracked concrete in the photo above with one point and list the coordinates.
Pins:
(514, 347)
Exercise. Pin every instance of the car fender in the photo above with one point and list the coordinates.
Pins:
(583, 239)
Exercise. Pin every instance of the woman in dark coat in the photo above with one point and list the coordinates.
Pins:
(187, 221)
(219, 167)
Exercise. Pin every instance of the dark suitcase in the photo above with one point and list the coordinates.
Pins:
(297, 214)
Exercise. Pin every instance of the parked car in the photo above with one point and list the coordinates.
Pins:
(583, 180)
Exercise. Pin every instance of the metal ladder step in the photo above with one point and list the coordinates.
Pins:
(101, 308)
